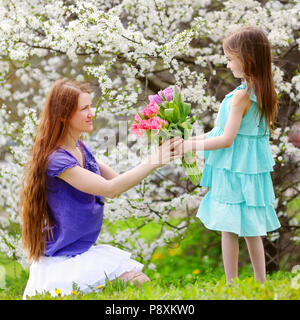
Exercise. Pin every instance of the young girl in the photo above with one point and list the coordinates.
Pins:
(62, 199)
(238, 163)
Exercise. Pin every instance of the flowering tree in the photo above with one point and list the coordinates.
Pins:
(128, 50)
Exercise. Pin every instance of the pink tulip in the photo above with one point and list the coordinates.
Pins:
(136, 129)
(153, 106)
(137, 118)
(155, 123)
(164, 123)
(146, 112)
(152, 109)
(145, 125)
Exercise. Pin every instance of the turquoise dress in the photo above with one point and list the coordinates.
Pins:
(241, 195)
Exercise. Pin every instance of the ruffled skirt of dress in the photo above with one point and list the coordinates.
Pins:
(241, 195)
(88, 270)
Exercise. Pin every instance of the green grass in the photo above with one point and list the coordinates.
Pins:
(206, 286)
(191, 269)
(180, 275)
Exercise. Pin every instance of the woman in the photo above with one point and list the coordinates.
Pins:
(62, 199)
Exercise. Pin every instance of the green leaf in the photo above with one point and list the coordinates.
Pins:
(192, 170)
(186, 109)
(169, 114)
(177, 132)
(177, 114)
(176, 94)
(165, 134)
(185, 125)
(176, 97)
(161, 113)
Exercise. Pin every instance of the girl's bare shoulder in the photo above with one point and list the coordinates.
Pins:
(241, 100)
(240, 96)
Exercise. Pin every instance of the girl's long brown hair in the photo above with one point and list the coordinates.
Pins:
(252, 47)
(61, 103)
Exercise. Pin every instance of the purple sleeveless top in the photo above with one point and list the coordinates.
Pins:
(77, 216)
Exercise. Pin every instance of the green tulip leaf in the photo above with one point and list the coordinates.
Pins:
(186, 109)
(169, 113)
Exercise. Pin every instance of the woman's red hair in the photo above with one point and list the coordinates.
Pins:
(61, 103)
(252, 47)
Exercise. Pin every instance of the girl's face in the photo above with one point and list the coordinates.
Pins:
(82, 121)
(234, 64)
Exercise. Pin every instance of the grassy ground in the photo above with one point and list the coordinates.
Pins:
(192, 270)
(179, 276)
(207, 286)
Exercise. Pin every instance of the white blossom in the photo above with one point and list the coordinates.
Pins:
(119, 45)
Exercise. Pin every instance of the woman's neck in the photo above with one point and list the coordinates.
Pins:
(70, 142)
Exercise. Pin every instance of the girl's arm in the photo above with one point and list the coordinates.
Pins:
(92, 183)
(240, 102)
(201, 137)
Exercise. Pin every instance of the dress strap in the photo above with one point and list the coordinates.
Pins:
(243, 85)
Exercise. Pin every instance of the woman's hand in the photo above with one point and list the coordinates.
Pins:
(166, 152)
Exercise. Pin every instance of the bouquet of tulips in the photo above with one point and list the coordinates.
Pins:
(167, 116)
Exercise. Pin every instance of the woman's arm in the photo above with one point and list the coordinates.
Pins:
(92, 183)
(240, 102)
(106, 172)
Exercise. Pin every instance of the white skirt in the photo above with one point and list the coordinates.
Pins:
(88, 270)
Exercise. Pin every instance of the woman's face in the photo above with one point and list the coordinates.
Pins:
(234, 64)
(82, 121)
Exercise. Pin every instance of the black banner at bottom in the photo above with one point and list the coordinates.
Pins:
(145, 309)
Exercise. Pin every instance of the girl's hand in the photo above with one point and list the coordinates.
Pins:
(166, 152)
(184, 147)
